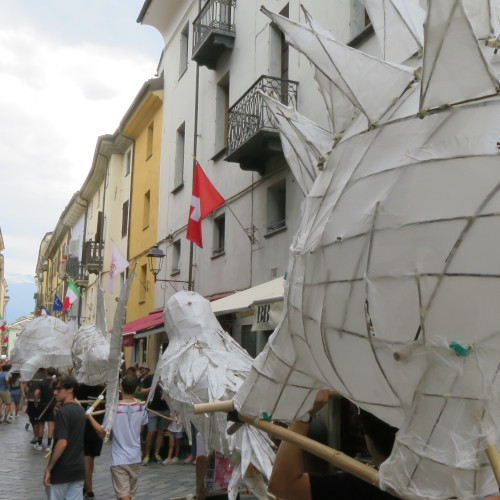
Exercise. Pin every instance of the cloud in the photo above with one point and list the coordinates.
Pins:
(57, 95)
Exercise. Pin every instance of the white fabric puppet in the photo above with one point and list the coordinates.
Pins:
(202, 364)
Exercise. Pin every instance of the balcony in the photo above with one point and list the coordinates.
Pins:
(92, 256)
(252, 137)
(213, 32)
(77, 271)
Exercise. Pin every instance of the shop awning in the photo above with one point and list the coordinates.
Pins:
(242, 302)
(154, 318)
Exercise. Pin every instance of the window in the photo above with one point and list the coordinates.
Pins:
(276, 206)
(222, 107)
(183, 61)
(176, 257)
(149, 145)
(128, 161)
(179, 157)
(279, 58)
(219, 235)
(125, 219)
(143, 278)
(145, 213)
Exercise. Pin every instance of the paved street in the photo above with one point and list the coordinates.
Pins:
(22, 470)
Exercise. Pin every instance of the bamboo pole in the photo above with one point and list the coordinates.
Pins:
(45, 409)
(162, 416)
(494, 458)
(336, 458)
(97, 402)
(216, 406)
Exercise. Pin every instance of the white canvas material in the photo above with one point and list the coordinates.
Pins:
(394, 276)
(44, 342)
(398, 25)
(90, 349)
(201, 364)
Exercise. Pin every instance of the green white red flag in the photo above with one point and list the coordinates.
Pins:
(71, 295)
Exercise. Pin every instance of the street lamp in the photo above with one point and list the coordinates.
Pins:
(155, 260)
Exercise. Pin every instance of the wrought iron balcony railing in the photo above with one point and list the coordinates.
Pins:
(77, 271)
(93, 256)
(251, 135)
(213, 31)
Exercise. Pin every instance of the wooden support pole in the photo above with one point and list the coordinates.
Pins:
(225, 406)
(494, 458)
(162, 416)
(336, 458)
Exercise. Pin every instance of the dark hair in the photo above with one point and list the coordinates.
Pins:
(51, 371)
(379, 432)
(6, 368)
(66, 382)
(129, 384)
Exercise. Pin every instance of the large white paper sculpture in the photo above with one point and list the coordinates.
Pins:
(202, 364)
(45, 342)
(394, 275)
(90, 349)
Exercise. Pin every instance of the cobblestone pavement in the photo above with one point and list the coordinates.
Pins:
(22, 470)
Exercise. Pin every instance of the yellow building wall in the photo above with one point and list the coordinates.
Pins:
(145, 128)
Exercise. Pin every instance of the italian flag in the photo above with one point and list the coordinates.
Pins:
(2, 324)
(71, 295)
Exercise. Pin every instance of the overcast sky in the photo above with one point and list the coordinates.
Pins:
(69, 69)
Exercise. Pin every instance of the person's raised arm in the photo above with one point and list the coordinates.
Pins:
(288, 480)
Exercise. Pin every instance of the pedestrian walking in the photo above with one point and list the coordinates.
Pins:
(45, 402)
(15, 394)
(66, 460)
(175, 437)
(5, 394)
(156, 426)
(31, 409)
(126, 445)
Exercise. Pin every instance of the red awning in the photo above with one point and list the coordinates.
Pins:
(154, 318)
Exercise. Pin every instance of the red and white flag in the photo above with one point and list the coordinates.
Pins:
(204, 200)
(118, 264)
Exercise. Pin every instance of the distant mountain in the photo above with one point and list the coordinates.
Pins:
(21, 300)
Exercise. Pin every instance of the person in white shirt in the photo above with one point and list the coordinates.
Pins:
(126, 447)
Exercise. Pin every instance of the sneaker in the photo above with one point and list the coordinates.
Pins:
(167, 461)
(9, 419)
(175, 460)
(145, 461)
(48, 448)
(88, 494)
(158, 459)
(37, 447)
(33, 441)
(189, 460)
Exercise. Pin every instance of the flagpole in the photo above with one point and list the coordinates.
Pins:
(195, 148)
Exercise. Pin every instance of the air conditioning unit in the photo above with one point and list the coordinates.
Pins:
(74, 247)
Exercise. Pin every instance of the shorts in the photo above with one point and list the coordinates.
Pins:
(92, 443)
(15, 395)
(124, 479)
(65, 491)
(33, 412)
(156, 423)
(5, 397)
(48, 416)
(176, 435)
